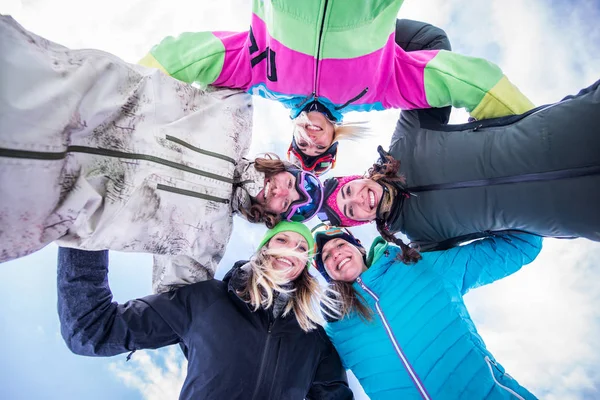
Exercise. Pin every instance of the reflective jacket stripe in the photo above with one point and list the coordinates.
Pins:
(411, 372)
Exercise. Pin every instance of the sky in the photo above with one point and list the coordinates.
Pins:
(542, 323)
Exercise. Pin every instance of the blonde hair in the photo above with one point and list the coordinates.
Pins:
(309, 301)
(343, 131)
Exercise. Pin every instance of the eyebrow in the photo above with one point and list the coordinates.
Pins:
(343, 195)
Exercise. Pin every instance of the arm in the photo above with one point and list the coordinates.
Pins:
(416, 35)
(330, 381)
(474, 84)
(93, 325)
(218, 58)
(412, 36)
(485, 261)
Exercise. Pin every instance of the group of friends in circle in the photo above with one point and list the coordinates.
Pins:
(97, 154)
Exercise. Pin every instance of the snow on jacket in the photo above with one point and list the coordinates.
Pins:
(538, 173)
(102, 154)
(422, 343)
(341, 53)
(233, 352)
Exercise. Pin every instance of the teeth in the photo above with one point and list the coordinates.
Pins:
(313, 128)
(341, 264)
(372, 199)
(267, 188)
(285, 260)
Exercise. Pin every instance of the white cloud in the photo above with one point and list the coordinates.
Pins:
(542, 323)
(157, 375)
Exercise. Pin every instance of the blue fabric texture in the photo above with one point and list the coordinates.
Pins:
(424, 308)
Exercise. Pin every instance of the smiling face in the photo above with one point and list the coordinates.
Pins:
(358, 199)
(319, 130)
(278, 192)
(343, 261)
(293, 264)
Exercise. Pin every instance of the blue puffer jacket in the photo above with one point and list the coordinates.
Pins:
(437, 353)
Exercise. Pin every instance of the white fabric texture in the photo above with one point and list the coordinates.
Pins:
(91, 155)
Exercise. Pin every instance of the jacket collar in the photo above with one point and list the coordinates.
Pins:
(380, 258)
(237, 278)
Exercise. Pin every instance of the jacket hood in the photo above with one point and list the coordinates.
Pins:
(378, 247)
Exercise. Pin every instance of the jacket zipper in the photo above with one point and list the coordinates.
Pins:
(262, 361)
(509, 390)
(199, 150)
(319, 50)
(38, 155)
(411, 372)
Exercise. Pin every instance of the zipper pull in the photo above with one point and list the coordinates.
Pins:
(477, 127)
(361, 284)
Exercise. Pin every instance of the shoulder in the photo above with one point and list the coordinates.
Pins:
(203, 293)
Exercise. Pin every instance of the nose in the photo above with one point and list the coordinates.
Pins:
(356, 200)
(280, 192)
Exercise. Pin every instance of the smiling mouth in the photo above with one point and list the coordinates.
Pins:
(312, 128)
(285, 261)
(342, 263)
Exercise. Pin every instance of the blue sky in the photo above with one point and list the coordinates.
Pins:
(542, 324)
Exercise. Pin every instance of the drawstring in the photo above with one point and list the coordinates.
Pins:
(129, 355)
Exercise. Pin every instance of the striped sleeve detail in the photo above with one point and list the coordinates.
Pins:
(475, 84)
(503, 99)
(151, 62)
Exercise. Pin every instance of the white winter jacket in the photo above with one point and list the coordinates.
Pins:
(100, 154)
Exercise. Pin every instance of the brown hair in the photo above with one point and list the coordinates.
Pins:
(388, 171)
(270, 165)
(350, 300)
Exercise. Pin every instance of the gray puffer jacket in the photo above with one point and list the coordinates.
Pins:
(538, 172)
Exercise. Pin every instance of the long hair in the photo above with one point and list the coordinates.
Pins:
(343, 131)
(308, 300)
(270, 165)
(387, 171)
(351, 301)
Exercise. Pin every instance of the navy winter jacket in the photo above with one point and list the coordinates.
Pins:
(233, 352)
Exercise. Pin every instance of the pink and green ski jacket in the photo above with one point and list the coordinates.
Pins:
(340, 53)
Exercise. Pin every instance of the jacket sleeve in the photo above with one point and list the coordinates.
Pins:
(93, 325)
(330, 381)
(485, 261)
(218, 58)
(475, 84)
(413, 36)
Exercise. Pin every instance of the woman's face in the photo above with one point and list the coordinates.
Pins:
(343, 261)
(278, 192)
(320, 131)
(358, 199)
(292, 241)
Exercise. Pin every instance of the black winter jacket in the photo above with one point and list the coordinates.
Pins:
(233, 352)
(538, 172)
